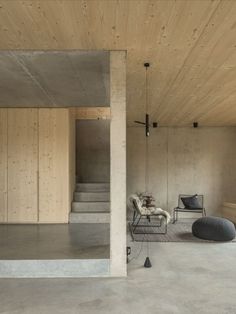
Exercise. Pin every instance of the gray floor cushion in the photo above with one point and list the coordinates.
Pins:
(213, 228)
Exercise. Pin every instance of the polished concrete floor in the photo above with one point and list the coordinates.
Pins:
(56, 241)
(186, 278)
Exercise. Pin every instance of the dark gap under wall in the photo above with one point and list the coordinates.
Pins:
(93, 151)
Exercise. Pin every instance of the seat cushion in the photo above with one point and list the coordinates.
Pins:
(191, 202)
(213, 228)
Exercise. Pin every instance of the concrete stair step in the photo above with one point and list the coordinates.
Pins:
(90, 207)
(91, 196)
(93, 187)
(101, 217)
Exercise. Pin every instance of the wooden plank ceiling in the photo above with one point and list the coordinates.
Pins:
(191, 46)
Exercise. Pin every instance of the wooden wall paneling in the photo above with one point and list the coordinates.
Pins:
(22, 165)
(72, 155)
(3, 165)
(91, 113)
(53, 165)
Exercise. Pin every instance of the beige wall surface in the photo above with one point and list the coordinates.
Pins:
(22, 165)
(53, 165)
(184, 160)
(3, 165)
(34, 165)
(72, 156)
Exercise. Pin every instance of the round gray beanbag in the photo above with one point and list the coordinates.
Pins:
(213, 228)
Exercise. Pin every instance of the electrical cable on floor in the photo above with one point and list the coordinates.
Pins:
(147, 247)
(141, 248)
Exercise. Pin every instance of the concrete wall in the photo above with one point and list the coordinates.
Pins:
(184, 160)
(118, 263)
(93, 150)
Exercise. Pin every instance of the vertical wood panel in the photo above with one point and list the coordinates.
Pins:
(72, 158)
(3, 165)
(53, 165)
(22, 165)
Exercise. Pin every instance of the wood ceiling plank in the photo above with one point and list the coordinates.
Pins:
(190, 45)
(190, 24)
(199, 68)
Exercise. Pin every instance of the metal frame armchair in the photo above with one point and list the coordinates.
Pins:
(152, 220)
(183, 209)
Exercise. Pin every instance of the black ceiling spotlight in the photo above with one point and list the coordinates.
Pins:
(147, 123)
(195, 124)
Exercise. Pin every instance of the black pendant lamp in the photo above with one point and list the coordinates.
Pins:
(147, 120)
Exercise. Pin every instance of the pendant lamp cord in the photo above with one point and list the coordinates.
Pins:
(147, 152)
(146, 139)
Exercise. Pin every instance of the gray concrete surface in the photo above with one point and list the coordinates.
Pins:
(90, 217)
(91, 203)
(94, 207)
(60, 268)
(93, 151)
(91, 196)
(57, 241)
(54, 78)
(92, 187)
(118, 177)
(185, 278)
(184, 161)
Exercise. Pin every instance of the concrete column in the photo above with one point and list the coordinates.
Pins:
(118, 163)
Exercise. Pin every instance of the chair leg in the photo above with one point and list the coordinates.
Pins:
(136, 225)
(173, 216)
(134, 214)
(165, 227)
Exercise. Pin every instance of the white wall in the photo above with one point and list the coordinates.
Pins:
(184, 160)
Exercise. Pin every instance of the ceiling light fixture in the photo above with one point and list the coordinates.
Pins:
(147, 120)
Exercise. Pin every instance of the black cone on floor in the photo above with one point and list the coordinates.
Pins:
(147, 263)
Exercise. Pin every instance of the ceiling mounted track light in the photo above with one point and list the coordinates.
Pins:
(147, 120)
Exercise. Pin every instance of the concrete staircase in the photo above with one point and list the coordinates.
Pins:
(91, 203)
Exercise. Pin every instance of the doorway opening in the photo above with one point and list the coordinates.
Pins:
(91, 197)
